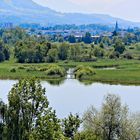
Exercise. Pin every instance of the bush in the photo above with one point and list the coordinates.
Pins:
(131, 48)
(98, 52)
(13, 70)
(55, 70)
(2, 57)
(21, 68)
(128, 56)
(82, 72)
(137, 46)
(114, 55)
(43, 69)
(30, 69)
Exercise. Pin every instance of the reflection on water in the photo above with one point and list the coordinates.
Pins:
(73, 96)
(56, 82)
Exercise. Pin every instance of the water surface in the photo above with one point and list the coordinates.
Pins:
(75, 97)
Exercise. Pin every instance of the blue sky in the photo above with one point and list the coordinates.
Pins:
(126, 9)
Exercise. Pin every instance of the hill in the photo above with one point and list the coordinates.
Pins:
(27, 11)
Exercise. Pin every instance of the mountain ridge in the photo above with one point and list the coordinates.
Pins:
(27, 11)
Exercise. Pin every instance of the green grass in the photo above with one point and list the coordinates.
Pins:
(23, 71)
(126, 72)
(121, 76)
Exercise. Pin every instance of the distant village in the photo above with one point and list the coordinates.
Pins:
(80, 33)
(97, 33)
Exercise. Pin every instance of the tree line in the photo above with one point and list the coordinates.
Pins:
(37, 50)
(27, 48)
(28, 116)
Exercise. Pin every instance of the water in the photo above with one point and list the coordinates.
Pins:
(75, 97)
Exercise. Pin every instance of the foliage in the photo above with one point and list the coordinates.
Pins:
(81, 72)
(112, 122)
(119, 46)
(4, 52)
(28, 115)
(55, 70)
(37, 48)
(98, 52)
(70, 125)
(63, 51)
(13, 70)
(52, 55)
(87, 38)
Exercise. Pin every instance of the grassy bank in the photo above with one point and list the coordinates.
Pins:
(126, 77)
(10, 70)
(124, 72)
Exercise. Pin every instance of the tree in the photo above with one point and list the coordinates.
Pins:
(70, 125)
(52, 55)
(112, 122)
(87, 38)
(2, 119)
(98, 52)
(74, 52)
(47, 128)
(119, 47)
(72, 39)
(101, 45)
(6, 53)
(2, 57)
(63, 51)
(28, 113)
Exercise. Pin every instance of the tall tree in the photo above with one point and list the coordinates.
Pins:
(29, 115)
(112, 122)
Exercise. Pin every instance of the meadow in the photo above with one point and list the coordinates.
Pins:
(117, 71)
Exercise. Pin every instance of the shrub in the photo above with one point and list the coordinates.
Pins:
(131, 48)
(2, 57)
(114, 55)
(128, 56)
(21, 68)
(55, 70)
(82, 72)
(13, 70)
(43, 69)
(30, 69)
(98, 52)
(137, 46)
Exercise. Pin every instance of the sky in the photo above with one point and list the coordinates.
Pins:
(126, 9)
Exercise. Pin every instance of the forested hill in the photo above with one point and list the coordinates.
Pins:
(27, 11)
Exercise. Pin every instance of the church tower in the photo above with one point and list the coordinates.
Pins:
(116, 27)
(116, 30)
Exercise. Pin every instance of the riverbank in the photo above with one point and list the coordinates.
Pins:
(107, 71)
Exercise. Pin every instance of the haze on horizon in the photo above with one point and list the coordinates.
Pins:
(126, 9)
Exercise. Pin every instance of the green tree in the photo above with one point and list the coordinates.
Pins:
(72, 39)
(2, 119)
(63, 51)
(74, 52)
(87, 38)
(2, 57)
(98, 52)
(119, 46)
(112, 122)
(6, 53)
(70, 125)
(101, 45)
(29, 115)
(52, 55)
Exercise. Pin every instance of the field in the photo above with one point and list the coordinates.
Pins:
(107, 71)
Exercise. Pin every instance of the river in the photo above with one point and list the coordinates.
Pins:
(75, 97)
